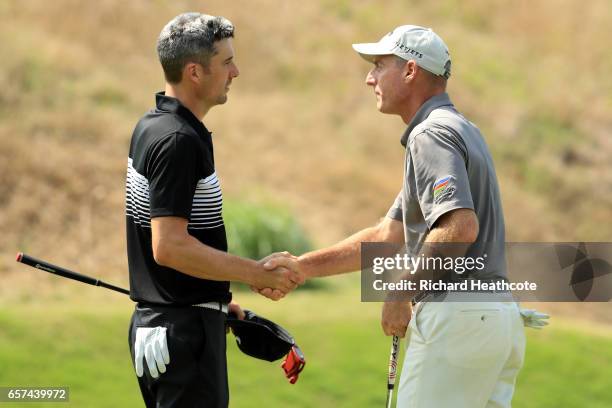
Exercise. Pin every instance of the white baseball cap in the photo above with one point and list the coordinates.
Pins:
(411, 42)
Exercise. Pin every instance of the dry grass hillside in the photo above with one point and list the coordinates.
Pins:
(300, 125)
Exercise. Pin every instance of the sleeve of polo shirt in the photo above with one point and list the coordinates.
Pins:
(395, 212)
(440, 174)
(172, 174)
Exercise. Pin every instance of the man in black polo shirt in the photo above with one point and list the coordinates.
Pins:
(179, 267)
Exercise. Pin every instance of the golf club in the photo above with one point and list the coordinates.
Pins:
(57, 270)
(392, 369)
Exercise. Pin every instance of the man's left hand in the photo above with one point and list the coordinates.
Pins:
(395, 318)
(234, 308)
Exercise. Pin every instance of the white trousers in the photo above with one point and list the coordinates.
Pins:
(462, 355)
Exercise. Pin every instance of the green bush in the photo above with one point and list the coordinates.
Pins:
(255, 230)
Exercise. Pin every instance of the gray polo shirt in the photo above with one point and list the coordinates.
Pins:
(448, 166)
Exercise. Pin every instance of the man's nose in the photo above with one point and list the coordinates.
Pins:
(370, 80)
(235, 72)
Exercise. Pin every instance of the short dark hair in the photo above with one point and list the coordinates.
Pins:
(190, 37)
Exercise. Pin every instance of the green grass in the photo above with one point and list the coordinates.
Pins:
(566, 367)
(82, 346)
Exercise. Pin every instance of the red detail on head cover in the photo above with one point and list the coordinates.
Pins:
(19, 256)
(293, 364)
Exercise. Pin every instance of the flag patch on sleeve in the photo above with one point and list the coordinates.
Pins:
(443, 188)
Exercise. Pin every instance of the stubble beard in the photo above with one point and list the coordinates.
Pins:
(222, 99)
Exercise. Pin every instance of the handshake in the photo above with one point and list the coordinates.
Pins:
(281, 273)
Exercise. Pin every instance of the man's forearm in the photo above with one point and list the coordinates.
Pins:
(343, 257)
(429, 250)
(451, 238)
(193, 258)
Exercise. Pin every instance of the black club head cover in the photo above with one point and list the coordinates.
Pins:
(259, 337)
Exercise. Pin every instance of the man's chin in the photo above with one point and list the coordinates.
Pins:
(385, 109)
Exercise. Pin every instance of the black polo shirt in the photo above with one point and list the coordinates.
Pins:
(171, 172)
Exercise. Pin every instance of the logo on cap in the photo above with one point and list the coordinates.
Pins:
(447, 69)
(398, 44)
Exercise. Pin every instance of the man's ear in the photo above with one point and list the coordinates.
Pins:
(193, 72)
(410, 70)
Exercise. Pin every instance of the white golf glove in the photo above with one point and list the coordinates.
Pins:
(534, 319)
(151, 344)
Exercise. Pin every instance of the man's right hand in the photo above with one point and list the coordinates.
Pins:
(285, 265)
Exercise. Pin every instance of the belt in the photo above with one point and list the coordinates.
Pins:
(221, 307)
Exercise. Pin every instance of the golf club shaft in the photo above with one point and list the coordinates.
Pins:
(389, 398)
(57, 270)
(392, 369)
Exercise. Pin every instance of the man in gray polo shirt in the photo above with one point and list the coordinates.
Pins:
(460, 354)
